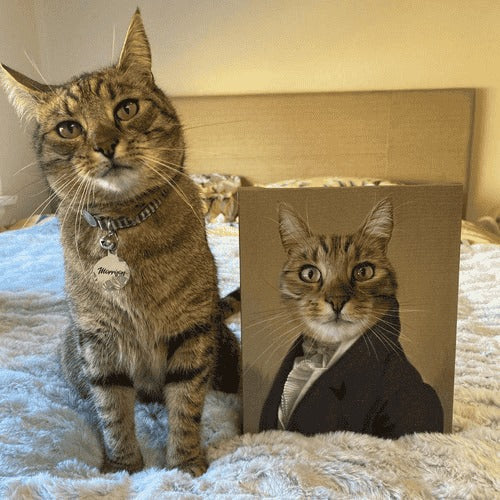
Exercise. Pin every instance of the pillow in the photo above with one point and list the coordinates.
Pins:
(218, 195)
(329, 182)
(219, 191)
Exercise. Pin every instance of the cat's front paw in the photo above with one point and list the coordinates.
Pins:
(196, 466)
(112, 466)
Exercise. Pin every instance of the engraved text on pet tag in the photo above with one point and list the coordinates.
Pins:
(111, 272)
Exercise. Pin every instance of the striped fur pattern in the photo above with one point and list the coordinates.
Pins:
(110, 142)
(337, 286)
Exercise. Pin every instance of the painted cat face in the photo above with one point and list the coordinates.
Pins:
(111, 134)
(340, 285)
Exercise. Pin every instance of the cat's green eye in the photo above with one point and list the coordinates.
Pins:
(363, 272)
(69, 129)
(126, 109)
(310, 274)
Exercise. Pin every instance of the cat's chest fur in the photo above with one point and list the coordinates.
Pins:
(172, 275)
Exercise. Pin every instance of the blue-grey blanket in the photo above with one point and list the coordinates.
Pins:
(49, 446)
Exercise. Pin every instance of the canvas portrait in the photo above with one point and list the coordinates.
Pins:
(347, 309)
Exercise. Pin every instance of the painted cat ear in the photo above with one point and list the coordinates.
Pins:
(25, 94)
(293, 230)
(136, 52)
(379, 222)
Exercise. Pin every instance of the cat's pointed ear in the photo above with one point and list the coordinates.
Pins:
(379, 223)
(293, 229)
(25, 94)
(136, 53)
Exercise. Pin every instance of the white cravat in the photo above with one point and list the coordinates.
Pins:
(318, 357)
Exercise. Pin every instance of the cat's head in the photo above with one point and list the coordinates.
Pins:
(338, 286)
(109, 135)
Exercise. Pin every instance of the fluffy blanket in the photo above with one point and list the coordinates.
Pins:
(49, 446)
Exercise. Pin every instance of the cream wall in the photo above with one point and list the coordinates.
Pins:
(219, 47)
(18, 34)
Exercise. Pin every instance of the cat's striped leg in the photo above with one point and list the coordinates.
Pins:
(189, 372)
(114, 398)
(185, 405)
(113, 394)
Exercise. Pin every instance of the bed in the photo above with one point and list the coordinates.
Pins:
(49, 443)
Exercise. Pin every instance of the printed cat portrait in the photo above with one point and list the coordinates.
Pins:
(347, 370)
(146, 320)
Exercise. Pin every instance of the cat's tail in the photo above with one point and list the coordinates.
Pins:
(230, 304)
(227, 376)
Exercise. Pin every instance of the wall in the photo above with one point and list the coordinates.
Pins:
(18, 34)
(210, 47)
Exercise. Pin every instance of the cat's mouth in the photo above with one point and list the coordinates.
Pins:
(337, 320)
(114, 168)
(116, 177)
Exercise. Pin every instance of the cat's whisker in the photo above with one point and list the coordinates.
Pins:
(214, 124)
(77, 181)
(77, 225)
(30, 184)
(368, 346)
(199, 150)
(381, 319)
(179, 191)
(168, 165)
(172, 184)
(266, 320)
(32, 164)
(47, 189)
(395, 331)
(271, 349)
(379, 337)
(274, 221)
(390, 345)
(78, 220)
(382, 336)
(42, 206)
(272, 286)
(410, 307)
(307, 213)
(93, 193)
(276, 344)
(265, 312)
(277, 326)
(388, 330)
(113, 45)
(274, 322)
(368, 340)
(38, 71)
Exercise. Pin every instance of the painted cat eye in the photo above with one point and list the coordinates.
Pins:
(126, 110)
(363, 272)
(69, 129)
(310, 274)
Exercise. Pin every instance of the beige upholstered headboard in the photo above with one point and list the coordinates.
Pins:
(413, 136)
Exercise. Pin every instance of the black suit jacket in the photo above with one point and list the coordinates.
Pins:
(371, 389)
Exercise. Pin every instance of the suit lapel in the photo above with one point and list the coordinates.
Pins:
(269, 415)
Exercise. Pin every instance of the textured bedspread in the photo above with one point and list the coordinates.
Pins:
(49, 446)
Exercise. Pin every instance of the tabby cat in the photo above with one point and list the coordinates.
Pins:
(348, 370)
(147, 321)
